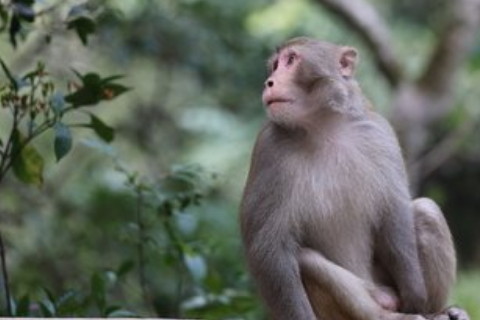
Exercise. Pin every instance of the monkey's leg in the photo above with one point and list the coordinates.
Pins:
(437, 256)
(436, 253)
(337, 294)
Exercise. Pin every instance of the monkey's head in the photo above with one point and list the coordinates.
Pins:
(308, 79)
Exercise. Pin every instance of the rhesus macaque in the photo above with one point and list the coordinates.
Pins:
(329, 227)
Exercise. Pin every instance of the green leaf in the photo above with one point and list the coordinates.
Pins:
(70, 303)
(91, 80)
(27, 163)
(57, 103)
(84, 26)
(63, 140)
(85, 96)
(25, 2)
(50, 296)
(196, 265)
(47, 309)
(24, 10)
(13, 306)
(121, 313)
(23, 307)
(113, 90)
(98, 292)
(13, 82)
(176, 184)
(125, 268)
(95, 89)
(90, 93)
(111, 309)
(112, 78)
(105, 132)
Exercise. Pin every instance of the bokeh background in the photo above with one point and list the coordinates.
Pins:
(147, 224)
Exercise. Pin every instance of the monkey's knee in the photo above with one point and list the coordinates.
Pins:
(436, 252)
(426, 208)
(433, 234)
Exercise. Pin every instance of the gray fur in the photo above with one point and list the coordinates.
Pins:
(327, 218)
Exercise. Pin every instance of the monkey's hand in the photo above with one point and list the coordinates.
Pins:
(385, 297)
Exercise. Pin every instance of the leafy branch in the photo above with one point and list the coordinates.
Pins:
(15, 13)
(36, 105)
(163, 202)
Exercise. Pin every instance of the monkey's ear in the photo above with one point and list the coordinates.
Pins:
(348, 61)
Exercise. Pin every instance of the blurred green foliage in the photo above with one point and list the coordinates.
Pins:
(146, 224)
(466, 293)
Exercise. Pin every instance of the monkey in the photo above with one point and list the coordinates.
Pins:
(328, 224)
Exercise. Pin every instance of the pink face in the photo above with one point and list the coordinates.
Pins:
(281, 76)
(281, 95)
(285, 96)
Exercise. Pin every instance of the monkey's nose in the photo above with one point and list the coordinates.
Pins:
(269, 83)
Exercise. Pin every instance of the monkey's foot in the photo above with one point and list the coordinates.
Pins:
(455, 313)
(451, 313)
(402, 316)
(440, 316)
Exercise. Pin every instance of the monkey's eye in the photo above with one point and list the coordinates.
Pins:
(291, 58)
(275, 65)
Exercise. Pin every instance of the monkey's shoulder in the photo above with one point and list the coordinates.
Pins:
(374, 133)
(374, 123)
(372, 136)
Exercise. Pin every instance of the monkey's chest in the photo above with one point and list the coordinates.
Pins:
(334, 212)
(334, 192)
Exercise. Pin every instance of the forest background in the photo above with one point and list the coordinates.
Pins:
(126, 128)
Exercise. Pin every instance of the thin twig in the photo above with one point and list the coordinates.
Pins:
(141, 236)
(177, 245)
(8, 148)
(49, 9)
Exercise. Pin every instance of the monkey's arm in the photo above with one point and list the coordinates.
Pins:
(277, 275)
(271, 252)
(268, 237)
(396, 249)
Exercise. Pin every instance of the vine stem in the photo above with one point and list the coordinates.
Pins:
(142, 277)
(177, 244)
(141, 236)
(6, 285)
(4, 164)
(6, 161)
